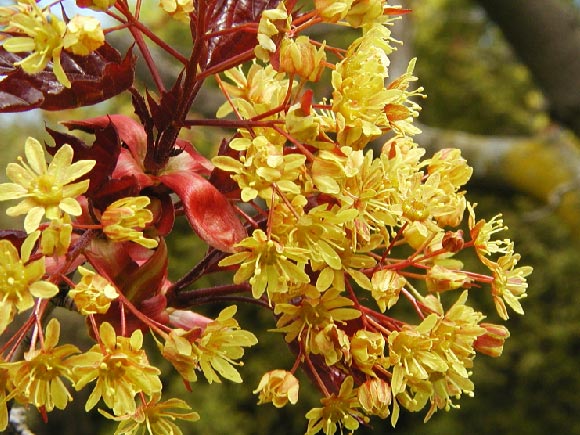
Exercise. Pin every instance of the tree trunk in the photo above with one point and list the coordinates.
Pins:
(545, 167)
(545, 35)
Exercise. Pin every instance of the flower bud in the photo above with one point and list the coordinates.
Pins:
(375, 397)
(278, 387)
(491, 343)
(300, 56)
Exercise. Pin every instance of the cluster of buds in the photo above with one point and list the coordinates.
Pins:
(319, 224)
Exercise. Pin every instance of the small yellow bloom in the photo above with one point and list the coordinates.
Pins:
(340, 410)
(154, 416)
(83, 35)
(300, 56)
(386, 286)
(20, 283)
(125, 219)
(221, 343)
(93, 294)
(121, 369)
(367, 349)
(268, 265)
(278, 387)
(42, 35)
(38, 377)
(273, 24)
(45, 189)
(509, 284)
(178, 9)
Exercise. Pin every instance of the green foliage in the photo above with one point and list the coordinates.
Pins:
(470, 76)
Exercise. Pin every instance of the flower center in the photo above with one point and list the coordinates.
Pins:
(46, 191)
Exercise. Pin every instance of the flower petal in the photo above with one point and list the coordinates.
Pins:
(61, 161)
(33, 218)
(11, 191)
(77, 170)
(71, 206)
(35, 155)
(43, 289)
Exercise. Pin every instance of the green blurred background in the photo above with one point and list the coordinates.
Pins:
(474, 85)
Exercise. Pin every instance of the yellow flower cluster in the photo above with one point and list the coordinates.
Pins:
(43, 34)
(343, 220)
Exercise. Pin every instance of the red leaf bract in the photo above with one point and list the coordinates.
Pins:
(208, 211)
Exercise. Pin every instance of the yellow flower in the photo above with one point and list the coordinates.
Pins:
(509, 284)
(20, 283)
(121, 369)
(273, 23)
(340, 410)
(221, 343)
(125, 219)
(482, 231)
(332, 10)
(268, 265)
(331, 342)
(180, 351)
(178, 9)
(154, 416)
(263, 164)
(278, 387)
(93, 294)
(313, 309)
(300, 56)
(56, 237)
(83, 35)
(364, 12)
(386, 286)
(411, 355)
(213, 350)
(367, 349)
(38, 377)
(46, 189)
(42, 36)
(258, 91)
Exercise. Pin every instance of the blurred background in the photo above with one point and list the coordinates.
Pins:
(503, 84)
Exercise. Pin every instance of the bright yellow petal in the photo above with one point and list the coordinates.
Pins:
(43, 289)
(52, 334)
(77, 170)
(11, 191)
(32, 219)
(22, 207)
(20, 175)
(61, 161)
(76, 189)
(71, 206)
(35, 154)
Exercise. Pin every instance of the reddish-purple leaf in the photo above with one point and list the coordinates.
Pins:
(208, 211)
(95, 78)
(222, 15)
(130, 131)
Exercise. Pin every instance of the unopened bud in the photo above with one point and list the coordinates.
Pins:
(491, 343)
(300, 56)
